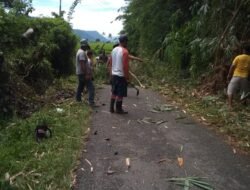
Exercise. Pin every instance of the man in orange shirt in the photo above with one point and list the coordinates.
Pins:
(239, 73)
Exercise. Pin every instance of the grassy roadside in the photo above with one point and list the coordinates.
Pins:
(212, 111)
(26, 164)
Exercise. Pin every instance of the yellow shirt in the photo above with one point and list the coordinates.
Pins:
(242, 66)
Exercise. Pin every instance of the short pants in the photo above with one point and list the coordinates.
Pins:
(119, 86)
(238, 83)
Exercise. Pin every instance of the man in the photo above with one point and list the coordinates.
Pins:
(83, 73)
(239, 73)
(120, 74)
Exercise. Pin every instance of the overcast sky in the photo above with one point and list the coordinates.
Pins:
(96, 15)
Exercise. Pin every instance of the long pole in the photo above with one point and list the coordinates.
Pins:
(60, 7)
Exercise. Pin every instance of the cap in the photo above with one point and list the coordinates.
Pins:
(123, 38)
(84, 42)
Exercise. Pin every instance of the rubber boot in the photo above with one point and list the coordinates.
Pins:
(119, 109)
(112, 104)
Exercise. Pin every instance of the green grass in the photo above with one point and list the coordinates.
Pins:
(50, 164)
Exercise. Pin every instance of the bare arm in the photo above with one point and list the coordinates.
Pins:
(135, 58)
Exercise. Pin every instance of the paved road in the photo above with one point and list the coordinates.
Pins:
(153, 142)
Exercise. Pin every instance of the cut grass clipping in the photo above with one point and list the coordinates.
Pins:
(189, 182)
(26, 164)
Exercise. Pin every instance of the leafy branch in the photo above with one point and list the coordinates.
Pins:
(72, 9)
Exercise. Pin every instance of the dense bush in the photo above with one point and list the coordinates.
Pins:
(191, 37)
(35, 59)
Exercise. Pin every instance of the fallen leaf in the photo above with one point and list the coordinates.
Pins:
(87, 131)
(180, 161)
(234, 150)
(91, 167)
(180, 117)
(181, 149)
(128, 163)
(203, 119)
(164, 160)
(110, 172)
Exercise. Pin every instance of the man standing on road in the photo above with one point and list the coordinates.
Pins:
(82, 72)
(120, 74)
(239, 73)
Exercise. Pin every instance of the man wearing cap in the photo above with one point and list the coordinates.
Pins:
(82, 73)
(120, 74)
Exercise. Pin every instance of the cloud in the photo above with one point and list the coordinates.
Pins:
(89, 14)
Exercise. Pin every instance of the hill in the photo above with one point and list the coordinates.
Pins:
(90, 35)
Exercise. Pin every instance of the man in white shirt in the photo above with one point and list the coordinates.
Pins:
(120, 74)
(81, 67)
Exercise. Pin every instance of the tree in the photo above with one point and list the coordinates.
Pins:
(72, 9)
(188, 34)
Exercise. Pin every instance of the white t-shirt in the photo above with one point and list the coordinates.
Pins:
(117, 64)
(80, 56)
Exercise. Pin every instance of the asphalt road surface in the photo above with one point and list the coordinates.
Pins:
(160, 142)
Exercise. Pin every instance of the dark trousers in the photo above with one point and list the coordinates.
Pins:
(119, 86)
(90, 87)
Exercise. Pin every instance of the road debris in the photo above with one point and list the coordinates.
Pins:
(89, 163)
(179, 117)
(164, 160)
(127, 164)
(203, 119)
(181, 148)
(162, 108)
(180, 161)
(110, 172)
(189, 182)
(234, 151)
(148, 120)
(87, 131)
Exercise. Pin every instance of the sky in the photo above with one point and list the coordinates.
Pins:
(91, 15)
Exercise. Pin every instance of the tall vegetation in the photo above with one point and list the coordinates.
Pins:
(187, 38)
(31, 62)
